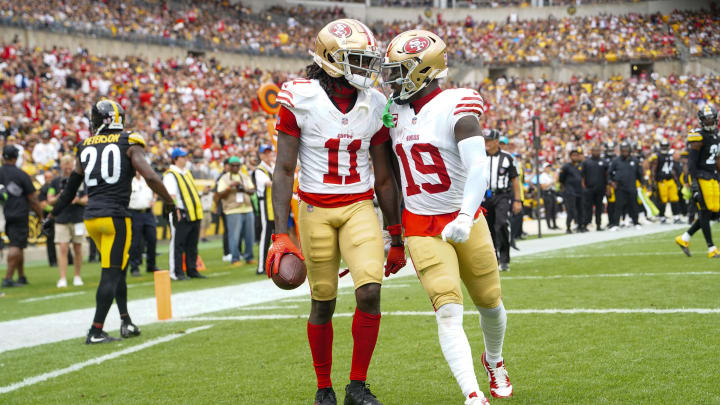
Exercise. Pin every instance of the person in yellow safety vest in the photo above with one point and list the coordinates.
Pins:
(185, 236)
(262, 177)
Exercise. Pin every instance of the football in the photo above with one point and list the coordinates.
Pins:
(291, 272)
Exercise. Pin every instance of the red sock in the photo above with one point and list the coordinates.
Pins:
(365, 330)
(321, 340)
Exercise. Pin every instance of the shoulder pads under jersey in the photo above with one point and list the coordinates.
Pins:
(695, 135)
(294, 93)
(464, 100)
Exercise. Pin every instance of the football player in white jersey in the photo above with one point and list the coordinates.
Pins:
(332, 121)
(443, 169)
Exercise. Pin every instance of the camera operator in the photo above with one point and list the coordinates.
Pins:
(234, 191)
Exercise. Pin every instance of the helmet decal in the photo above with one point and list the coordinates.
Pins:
(416, 45)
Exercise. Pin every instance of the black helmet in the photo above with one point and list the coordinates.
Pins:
(707, 115)
(664, 146)
(107, 116)
(625, 145)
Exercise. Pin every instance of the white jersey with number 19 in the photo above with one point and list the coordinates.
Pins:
(433, 175)
(334, 146)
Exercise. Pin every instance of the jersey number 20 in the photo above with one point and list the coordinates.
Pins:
(110, 175)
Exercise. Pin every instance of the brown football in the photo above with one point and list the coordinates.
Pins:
(291, 272)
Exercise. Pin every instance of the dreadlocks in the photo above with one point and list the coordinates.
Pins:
(327, 82)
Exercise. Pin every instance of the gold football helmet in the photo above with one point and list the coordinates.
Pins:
(413, 59)
(347, 48)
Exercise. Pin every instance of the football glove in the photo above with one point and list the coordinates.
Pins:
(695, 187)
(395, 260)
(280, 246)
(458, 230)
(170, 213)
(47, 225)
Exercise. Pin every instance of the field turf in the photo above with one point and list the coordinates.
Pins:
(558, 351)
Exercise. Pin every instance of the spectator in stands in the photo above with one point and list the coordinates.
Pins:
(46, 152)
(19, 195)
(69, 225)
(234, 191)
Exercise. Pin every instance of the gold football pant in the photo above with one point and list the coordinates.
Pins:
(710, 191)
(351, 232)
(441, 266)
(668, 191)
(112, 236)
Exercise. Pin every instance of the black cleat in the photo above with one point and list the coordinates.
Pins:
(358, 393)
(128, 330)
(195, 275)
(102, 337)
(6, 283)
(135, 273)
(325, 396)
(22, 280)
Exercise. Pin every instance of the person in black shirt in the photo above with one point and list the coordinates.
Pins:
(624, 173)
(594, 174)
(19, 196)
(571, 180)
(69, 225)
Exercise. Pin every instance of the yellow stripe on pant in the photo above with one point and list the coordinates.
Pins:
(710, 190)
(112, 236)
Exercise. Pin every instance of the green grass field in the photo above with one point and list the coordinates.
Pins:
(569, 358)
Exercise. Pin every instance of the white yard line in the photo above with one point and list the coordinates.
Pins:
(98, 360)
(60, 326)
(551, 311)
(53, 296)
(267, 307)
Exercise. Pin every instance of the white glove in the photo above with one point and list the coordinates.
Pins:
(459, 229)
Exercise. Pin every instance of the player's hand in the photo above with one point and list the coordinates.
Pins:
(695, 187)
(395, 260)
(170, 212)
(280, 246)
(516, 207)
(458, 230)
(47, 225)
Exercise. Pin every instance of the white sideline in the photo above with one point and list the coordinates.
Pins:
(552, 311)
(610, 275)
(60, 326)
(52, 296)
(78, 366)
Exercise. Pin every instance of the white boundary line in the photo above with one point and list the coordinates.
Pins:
(609, 275)
(267, 307)
(78, 366)
(551, 311)
(52, 297)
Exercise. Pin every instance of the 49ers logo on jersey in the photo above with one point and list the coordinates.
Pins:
(341, 30)
(416, 45)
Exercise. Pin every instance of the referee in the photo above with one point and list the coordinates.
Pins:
(263, 186)
(503, 195)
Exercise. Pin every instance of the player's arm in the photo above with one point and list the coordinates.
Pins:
(70, 190)
(153, 180)
(517, 202)
(694, 148)
(282, 188)
(471, 146)
(388, 196)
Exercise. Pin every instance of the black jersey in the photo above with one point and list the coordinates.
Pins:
(108, 173)
(705, 165)
(666, 168)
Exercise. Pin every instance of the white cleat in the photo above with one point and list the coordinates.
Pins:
(227, 258)
(638, 226)
(62, 283)
(477, 399)
(500, 386)
(77, 281)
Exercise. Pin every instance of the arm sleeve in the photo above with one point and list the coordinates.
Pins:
(381, 136)
(512, 169)
(68, 193)
(474, 159)
(469, 102)
(287, 123)
(693, 158)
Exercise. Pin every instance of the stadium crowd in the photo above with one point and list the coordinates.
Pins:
(289, 31)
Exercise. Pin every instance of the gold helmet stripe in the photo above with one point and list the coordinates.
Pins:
(117, 112)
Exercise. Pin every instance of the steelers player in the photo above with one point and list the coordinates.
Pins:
(703, 148)
(332, 121)
(443, 166)
(107, 162)
(664, 172)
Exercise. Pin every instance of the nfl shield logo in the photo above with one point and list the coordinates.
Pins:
(344, 121)
(414, 120)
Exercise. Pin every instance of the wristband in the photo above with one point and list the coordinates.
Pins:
(395, 230)
(402, 245)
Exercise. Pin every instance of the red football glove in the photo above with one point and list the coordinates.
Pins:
(395, 260)
(280, 246)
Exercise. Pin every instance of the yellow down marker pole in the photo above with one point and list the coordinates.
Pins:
(162, 294)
